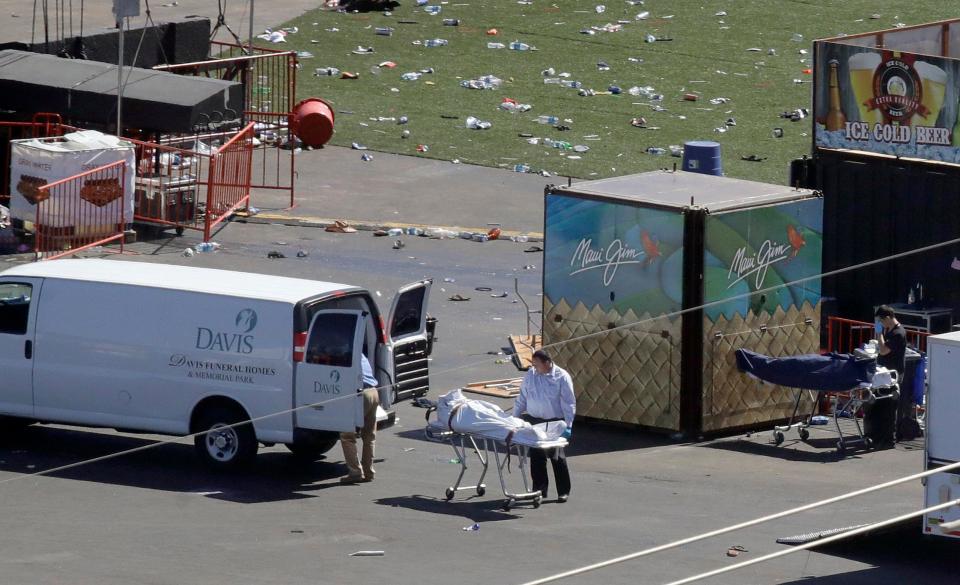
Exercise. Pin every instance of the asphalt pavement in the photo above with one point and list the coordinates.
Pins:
(335, 183)
(158, 517)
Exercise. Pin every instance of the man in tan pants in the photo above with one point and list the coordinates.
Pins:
(360, 469)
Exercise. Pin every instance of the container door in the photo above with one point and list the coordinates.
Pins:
(329, 381)
(407, 335)
(18, 318)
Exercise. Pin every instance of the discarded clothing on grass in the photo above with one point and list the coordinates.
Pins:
(832, 372)
(478, 417)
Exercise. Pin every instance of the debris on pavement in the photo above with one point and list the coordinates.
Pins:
(459, 298)
(472, 528)
(341, 227)
(734, 551)
(367, 553)
(506, 388)
(274, 255)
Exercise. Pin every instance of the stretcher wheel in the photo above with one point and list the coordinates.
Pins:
(778, 437)
(804, 434)
(506, 505)
(841, 447)
(449, 493)
(179, 230)
(536, 502)
(481, 490)
(868, 442)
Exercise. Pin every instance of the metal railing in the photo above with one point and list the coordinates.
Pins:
(269, 80)
(193, 182)
(845, 335)
(229, 181)
(79, 212)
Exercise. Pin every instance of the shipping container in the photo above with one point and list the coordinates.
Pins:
(628, 263)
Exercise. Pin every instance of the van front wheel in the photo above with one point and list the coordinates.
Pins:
(222, 443)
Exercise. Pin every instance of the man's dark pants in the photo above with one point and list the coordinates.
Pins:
(538, 465)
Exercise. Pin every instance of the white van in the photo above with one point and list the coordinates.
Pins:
(176, 350)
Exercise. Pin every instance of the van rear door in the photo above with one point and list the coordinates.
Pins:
(19, 298)
(407, 337)
(329, 381)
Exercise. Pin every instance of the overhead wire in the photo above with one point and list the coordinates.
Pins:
(741, 525)
(816, 543)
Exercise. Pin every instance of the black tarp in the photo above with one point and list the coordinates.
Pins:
(85, 92)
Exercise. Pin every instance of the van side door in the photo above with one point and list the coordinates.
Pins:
(329, 381)
(19, 300)
(407, 341)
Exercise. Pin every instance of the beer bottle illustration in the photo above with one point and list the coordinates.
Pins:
(835, 118)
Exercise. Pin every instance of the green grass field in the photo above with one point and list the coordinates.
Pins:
(705, 57)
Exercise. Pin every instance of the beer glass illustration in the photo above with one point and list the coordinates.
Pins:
(862, 67)
(934, 83)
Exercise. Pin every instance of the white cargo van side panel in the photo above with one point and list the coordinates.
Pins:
(142, 358)
(943, 407)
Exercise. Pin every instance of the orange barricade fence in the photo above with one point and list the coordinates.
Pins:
(229, 179)
(42, 126)
(269, 79)
(193, 182)
(80, 212)
(845, 335)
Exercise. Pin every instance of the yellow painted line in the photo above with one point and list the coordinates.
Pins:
(367, 225)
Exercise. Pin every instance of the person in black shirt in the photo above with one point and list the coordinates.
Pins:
(892, 340)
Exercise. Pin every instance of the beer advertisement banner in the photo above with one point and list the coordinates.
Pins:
(614, 256)
(888, 102)
(754, 249)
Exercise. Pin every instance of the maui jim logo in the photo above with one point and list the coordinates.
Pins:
(610, 259)
(233, 342)
(757, 265)
(770, 252)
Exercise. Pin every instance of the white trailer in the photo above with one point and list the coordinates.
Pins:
(177, 350)
(943, 433)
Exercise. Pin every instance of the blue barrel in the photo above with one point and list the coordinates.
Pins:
(702, 156)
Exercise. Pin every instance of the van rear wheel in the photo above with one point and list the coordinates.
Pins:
(222, 444)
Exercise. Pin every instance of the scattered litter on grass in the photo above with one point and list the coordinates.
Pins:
(482, 82)
(476, 124)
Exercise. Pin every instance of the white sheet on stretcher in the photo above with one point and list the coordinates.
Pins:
(483, 418)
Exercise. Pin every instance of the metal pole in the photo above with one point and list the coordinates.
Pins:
(119, 72)
(250, 41)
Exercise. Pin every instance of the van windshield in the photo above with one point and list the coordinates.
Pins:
(14, 308)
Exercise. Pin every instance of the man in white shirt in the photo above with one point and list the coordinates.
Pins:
(546, 394)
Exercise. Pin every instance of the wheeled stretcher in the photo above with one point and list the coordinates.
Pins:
(852, 383)
(514, 438)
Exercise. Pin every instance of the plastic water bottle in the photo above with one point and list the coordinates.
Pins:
(207, 247)
(394, 232)
(451, 22)
(496, 46)
(572, 84)
(410, 76)
(551, 81)
(432, 10)
(518, 46)
(331, 71)
(551, 120)
(435, 43)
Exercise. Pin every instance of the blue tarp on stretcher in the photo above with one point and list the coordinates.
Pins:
(833, 372)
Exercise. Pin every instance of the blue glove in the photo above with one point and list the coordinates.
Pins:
(567, 433)
(878, 327)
